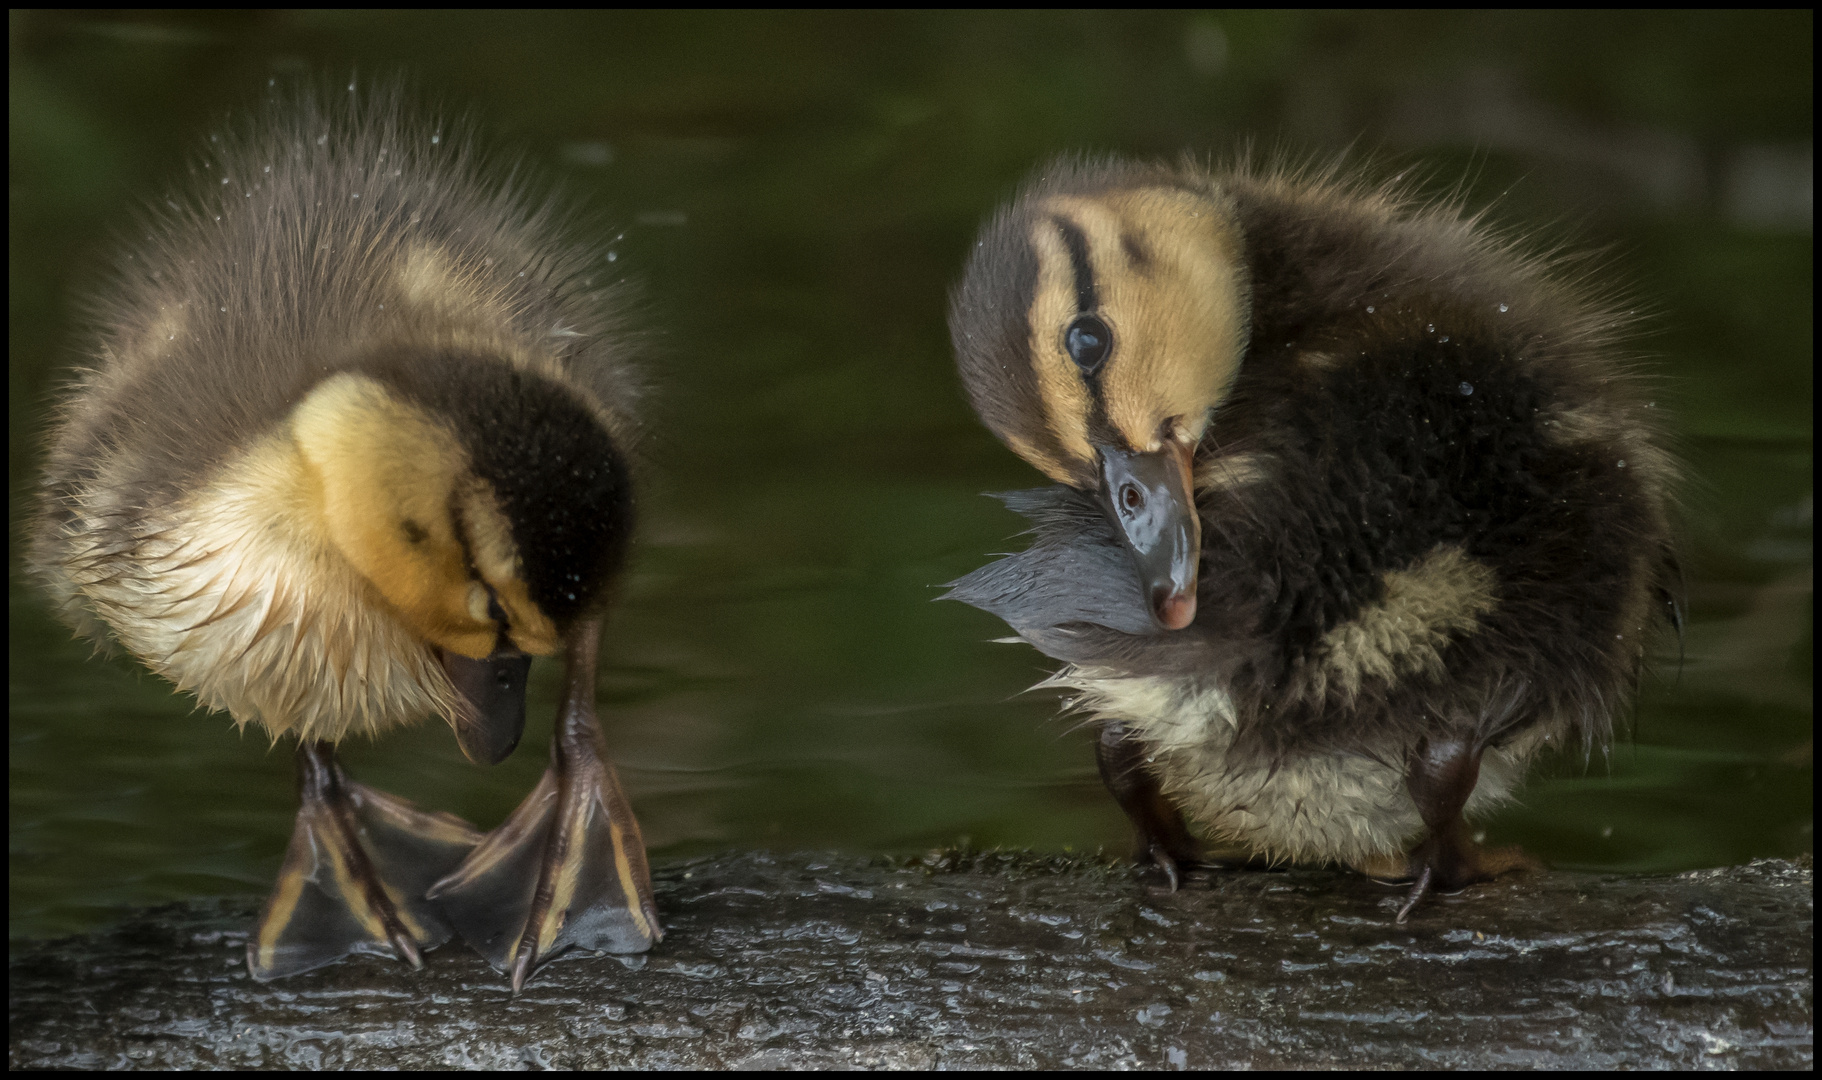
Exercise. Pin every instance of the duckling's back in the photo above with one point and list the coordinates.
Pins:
(331, 226)
(1435, 437)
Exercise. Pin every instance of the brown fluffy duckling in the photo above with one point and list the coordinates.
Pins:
(1359, 506)
(352, 451)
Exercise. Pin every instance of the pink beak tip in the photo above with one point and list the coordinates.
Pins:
(1177, 610)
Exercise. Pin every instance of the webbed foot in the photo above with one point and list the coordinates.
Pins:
(567, 869)
(1440, 777)
(354, 875)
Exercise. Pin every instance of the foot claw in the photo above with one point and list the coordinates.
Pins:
(402, 945)
(1418, 890)
(522, 967)
(1166, 862)
(1450, 867)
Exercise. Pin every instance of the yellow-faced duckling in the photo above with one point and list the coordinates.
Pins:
(352, 451)
(1360, 506)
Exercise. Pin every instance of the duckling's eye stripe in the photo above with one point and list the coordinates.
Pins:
(1077, 243)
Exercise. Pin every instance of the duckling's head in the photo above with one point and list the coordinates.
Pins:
(1101, 320)
(486, 505)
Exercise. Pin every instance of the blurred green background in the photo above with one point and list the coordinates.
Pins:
(797, 193)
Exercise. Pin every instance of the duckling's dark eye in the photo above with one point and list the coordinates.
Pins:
(1088, 340)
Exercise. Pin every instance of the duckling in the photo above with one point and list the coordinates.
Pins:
(1358, 506)
(352, 451)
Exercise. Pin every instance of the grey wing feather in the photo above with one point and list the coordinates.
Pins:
(1074, 594)
(1074, 571)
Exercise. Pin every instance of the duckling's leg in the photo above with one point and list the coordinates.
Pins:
(568, 867)
(1441, 775)
(354, 876)
(1163, 838)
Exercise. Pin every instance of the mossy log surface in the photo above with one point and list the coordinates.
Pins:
(970, 959)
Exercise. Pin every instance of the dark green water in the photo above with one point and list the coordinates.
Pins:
(797, 192)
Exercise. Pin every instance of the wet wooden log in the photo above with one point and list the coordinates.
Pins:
(989, 959)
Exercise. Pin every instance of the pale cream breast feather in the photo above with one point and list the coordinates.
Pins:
(236, 595)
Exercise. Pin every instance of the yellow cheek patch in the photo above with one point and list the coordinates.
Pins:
(1179, 313)
(386, 473)
(1169, 282)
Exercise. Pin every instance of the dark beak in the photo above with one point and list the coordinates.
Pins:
(1151, 498)
(493, 701)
